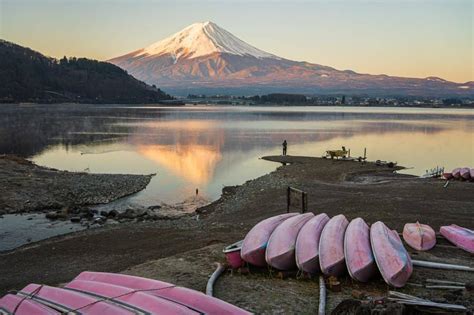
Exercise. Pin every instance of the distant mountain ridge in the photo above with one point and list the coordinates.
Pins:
(204, 57)
(29, 76)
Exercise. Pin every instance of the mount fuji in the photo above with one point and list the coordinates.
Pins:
(205, 58)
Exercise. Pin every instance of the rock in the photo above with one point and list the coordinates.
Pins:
(53, 215)
(133, 213)
(99, 219)
(155, 207)
(76, 219)
(104, 213)
(113, 214)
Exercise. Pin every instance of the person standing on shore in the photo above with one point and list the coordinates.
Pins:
(285, 145)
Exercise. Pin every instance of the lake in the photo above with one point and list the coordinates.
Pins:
(209, 147)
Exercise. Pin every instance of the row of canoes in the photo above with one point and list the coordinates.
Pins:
(332, 245)
(328, 245)
(107, 293)
(462, 173)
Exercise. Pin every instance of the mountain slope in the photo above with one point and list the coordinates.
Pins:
(206, 58)
(28, 76)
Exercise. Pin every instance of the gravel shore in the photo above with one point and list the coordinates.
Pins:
(26, 187)
(183, 250)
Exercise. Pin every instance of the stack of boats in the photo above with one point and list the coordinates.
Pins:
(108, 293)
(460, 173)
(318, 243)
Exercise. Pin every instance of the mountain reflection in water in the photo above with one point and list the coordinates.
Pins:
(208, 147)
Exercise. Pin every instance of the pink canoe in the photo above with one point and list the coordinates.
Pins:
(280, 252)
(471, 172)
(331, 246)
(9, 303)
(459, 236)
(391, 257)
(139, 302)
(256, 240)
(192, 299)
(70, 302)
(307, 244)
(357, 250)
(456, 173)
(465, 173)
(419, 236)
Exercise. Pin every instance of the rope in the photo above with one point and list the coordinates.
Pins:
(31, 295)
(121, 295)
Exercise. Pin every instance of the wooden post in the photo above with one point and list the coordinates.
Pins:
(288, 199)
(365, 153)
(303, 197)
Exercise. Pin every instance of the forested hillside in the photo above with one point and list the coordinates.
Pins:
(29, 76)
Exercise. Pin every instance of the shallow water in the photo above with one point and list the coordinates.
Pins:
(17, 229)
(208, 147)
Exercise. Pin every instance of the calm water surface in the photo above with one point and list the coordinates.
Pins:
(208, 147)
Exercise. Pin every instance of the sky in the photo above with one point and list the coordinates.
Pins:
(410, 38)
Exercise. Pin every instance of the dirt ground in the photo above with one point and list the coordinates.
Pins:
(183, 251)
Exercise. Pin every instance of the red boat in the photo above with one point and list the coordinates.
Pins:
(448, 176)
(456, 173)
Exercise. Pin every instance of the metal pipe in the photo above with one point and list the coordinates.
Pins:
(322, 296)
(436, 265)
(210, 283)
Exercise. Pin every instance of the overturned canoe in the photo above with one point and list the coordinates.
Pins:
(307, 244)
(357, 251)
(131, 299)
(419, 236)
(256, 240)
(197, 301)
(391, 257)
(331, 246)
(456, 173)
(280, 252)
(70, 302)
(459, 236)
(15, 304)
(471, 172)
(448, 176)
(465, 173)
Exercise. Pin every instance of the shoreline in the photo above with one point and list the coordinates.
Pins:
(333, 187)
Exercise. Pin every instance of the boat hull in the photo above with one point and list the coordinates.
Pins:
(456, 173)
(128, 298)
(68, 302)
(11, 302)
(357, 251)
(192, 299)
(459, 236)
(465, 173)
(391, 257)
(448, 176)
(307, 244)
(280, 253)
(255, 242)
(419, 236)
(331, 246)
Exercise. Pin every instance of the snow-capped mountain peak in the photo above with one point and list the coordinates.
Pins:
(201, 39)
